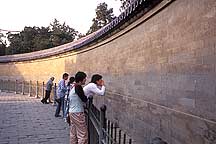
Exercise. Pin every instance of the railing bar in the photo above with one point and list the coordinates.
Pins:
(119, 136)
(124, 139)
(108, 136)
(112, 132)
(108, 132)
(115, 132)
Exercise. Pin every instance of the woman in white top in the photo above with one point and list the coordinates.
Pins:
(96, 86)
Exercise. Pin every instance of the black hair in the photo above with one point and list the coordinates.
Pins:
(80, 76)
(65, 75)
(95, 78)
(71, 80)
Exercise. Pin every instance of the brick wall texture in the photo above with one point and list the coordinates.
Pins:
(160, 75)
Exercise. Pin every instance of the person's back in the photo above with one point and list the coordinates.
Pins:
(91, 89)
(49, 85)
(62, 89)
(75, 103)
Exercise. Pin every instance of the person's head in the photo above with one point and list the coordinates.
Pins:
(71, 80)
(52, 78)
(80, 77)
(65, 76)
(97, 79)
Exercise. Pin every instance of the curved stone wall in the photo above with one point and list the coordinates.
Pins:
(160, 73)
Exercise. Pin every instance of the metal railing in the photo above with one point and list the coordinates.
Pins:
(31, 88)
(102, 130)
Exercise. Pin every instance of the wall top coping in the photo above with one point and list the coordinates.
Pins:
(138, 6)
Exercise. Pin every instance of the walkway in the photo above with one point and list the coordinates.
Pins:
(25, 120)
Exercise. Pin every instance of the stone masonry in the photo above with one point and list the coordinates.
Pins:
(160, 73)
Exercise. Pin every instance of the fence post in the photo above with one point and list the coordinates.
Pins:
(8, 85)
(0, 85)
(29, 88)
(102, 123)
(54, 94)
(23, 85)
(43, 90)
(36, 92)
(15, 87)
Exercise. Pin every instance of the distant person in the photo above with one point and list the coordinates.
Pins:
(78, 128)
(70, 85)
(61, 91)
(96, 86)
(48, 90)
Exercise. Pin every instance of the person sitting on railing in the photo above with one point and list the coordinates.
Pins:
(62, 89)
(48, 89)
(96, 86)
(78, 125)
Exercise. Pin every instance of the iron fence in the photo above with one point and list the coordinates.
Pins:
(30, 88)
(101, 130)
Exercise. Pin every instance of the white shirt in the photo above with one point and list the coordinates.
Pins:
(91, 89)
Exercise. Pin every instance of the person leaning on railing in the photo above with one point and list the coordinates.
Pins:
(48, 89)
(96, 86)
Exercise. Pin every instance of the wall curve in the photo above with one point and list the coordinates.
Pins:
(160, 73)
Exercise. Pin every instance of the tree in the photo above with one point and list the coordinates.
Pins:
(103, 17)
(61, 33)
(36, 38)
(125, 4)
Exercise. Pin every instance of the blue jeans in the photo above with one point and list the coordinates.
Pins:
(65, 108)
(60, 104)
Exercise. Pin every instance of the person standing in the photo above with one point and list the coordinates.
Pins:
(78, 125)
(61, 91)
(48, 90)
(70, 85)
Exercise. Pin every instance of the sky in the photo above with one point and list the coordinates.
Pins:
(78, 14)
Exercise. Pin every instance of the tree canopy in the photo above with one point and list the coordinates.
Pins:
(103, 17)
(38, 38)
(125, 4)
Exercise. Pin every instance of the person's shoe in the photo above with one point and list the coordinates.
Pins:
(42, 101)
(57, 115)
(46, 102)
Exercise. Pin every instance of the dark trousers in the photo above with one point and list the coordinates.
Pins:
(60, 104)
(47, 96)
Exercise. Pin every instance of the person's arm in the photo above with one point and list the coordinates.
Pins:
(80, 93)
(96, 90)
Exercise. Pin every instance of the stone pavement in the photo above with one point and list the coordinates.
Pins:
(25, 120)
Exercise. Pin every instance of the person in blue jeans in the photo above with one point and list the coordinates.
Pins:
(61, 91)
(66, 104)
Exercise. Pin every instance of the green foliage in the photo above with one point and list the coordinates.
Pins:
(36, 38)
(125, 4)
(103, 17)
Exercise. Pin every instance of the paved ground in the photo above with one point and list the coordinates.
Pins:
(25, 120)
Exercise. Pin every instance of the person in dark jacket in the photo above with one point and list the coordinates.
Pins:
(48, 90)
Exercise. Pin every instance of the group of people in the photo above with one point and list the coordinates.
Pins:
(71, 98)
